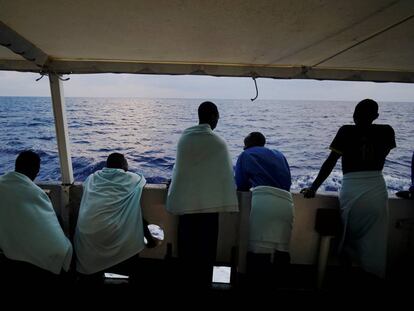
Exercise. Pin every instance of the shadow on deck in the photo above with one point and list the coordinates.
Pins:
(163, 278)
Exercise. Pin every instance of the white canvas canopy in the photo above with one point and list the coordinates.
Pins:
(370, 40)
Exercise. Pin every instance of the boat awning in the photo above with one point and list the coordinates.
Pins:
(370, 40)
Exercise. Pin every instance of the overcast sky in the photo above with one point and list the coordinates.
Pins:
(152, 86)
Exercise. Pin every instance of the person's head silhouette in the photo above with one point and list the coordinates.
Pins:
(28, 163)
(254, 139)
(365, 112)
(117, 160)
(208, 114)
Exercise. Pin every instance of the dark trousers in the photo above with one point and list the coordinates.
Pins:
(197, 247)
(261, 271)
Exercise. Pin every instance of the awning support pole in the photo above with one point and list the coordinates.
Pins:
(59, 112)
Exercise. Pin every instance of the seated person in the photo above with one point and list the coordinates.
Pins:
(410, 193)
(110, 229)
(29, 229)
(271, 215)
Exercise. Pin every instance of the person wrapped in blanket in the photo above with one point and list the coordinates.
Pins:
(35, 248)
(110, 229)
(201, 189)
(363, 197)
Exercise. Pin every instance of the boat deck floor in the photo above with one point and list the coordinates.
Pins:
(163, 277)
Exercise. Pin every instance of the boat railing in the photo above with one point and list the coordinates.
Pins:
(314, 233)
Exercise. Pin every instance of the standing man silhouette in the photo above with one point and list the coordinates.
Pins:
(363, 196)
(202, 186)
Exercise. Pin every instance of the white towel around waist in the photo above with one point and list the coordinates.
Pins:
(271, 219)
(364, 208)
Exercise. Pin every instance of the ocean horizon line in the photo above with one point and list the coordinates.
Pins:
(205, 99)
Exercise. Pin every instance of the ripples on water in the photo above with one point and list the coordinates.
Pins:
(147, 131)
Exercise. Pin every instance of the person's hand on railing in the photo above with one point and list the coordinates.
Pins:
(308, 193)
(168, 183)
(150, 240)
(405, 194)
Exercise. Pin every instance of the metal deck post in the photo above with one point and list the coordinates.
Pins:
(62, 137)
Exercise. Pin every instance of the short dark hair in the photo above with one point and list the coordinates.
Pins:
(28, 163)
(207, 110)
(254, 139)
(366, 110)
(116, 160)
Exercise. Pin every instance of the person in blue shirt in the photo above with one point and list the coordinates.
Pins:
(260, 166)
(266, 174)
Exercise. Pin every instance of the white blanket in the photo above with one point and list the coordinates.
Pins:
(29, 228)
(202, 179)
(271, 220)
(364, 207)
(109, 228)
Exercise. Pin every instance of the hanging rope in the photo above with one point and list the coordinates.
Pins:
(42, 74)
(257, 91)
(62, 78)
(46, 73)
